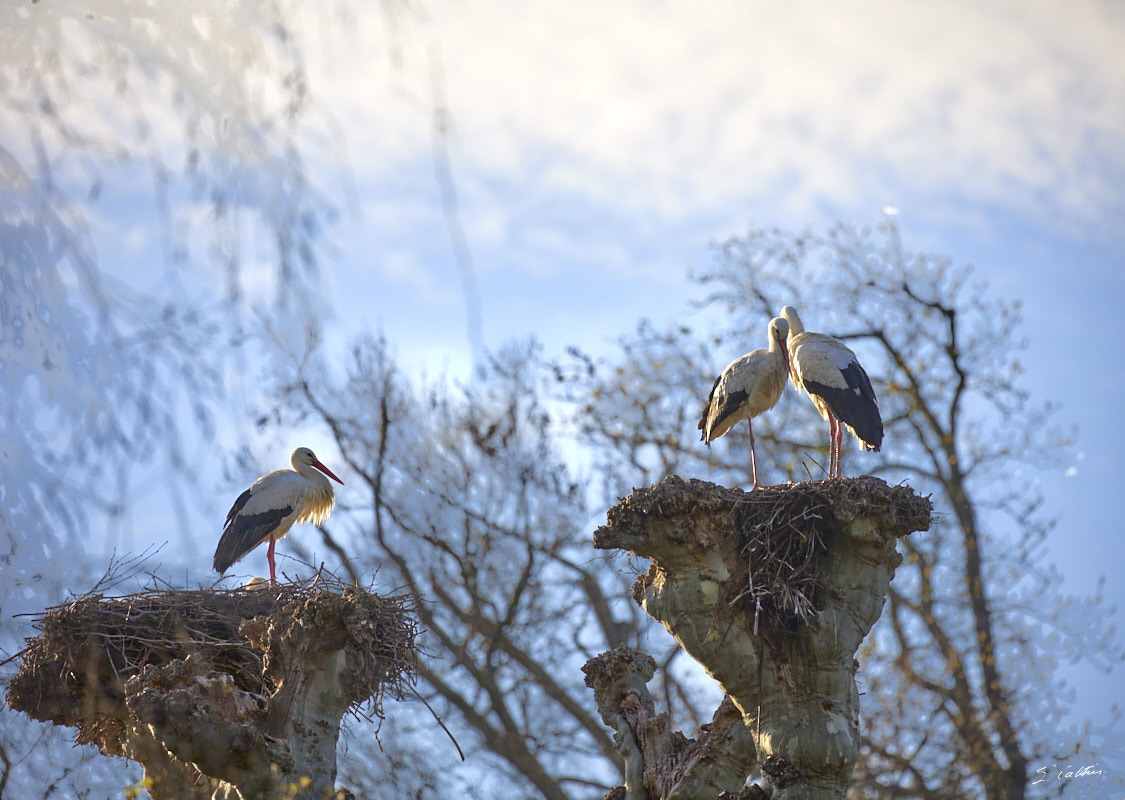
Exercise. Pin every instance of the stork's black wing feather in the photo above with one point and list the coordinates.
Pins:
(730, 405)
(855, 406)
(707, 408)
(243, 533)
(239, 504)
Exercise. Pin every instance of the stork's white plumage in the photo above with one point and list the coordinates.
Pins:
(271, 506)
(748, 386)
(834, 380)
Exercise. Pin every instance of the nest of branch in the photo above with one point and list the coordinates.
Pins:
(74, 672)
(781, 535)
(773, 541)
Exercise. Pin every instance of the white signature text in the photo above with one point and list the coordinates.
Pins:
(1069, 772)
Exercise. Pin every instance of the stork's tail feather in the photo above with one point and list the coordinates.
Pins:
(231, 551)
(704, 428)
(224, 557)
(866, 424)
(231, 548)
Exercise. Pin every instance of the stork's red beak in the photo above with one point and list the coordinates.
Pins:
(327, 472)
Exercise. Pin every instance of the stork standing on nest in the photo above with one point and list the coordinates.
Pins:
(748, 386)
(834, 380)
(272, 504)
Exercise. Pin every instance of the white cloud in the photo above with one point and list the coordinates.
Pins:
(675, 108)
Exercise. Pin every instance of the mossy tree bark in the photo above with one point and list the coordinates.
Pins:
(772, 592)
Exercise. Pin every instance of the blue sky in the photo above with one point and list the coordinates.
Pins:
(599, 149)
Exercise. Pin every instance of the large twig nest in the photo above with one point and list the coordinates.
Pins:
(773, 541)
(75, 671)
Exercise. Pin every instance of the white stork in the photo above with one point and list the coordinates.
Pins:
(748, 386)
(272, 504)
(833, 379)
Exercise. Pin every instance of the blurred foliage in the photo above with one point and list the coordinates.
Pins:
(112, 382)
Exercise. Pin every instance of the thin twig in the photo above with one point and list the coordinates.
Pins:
(439, 722)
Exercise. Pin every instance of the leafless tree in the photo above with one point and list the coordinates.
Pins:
(472, 508)
(956, 668)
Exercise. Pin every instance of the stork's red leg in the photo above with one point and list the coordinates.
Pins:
(753, 460)
(839, 445)
(833, 446)
(269, 558)
(831, 452)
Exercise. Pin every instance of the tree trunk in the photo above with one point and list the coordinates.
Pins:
(772, 592)
(659, 761)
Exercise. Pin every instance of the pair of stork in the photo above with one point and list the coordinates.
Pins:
(821, 365)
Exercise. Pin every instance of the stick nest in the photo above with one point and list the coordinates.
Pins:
(773, 541)
(74, 672)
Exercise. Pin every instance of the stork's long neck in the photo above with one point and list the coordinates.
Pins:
(779, 350)
(317, 504)
(318, 478)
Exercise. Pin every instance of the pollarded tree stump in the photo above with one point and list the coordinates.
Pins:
(232, 693)
(660, 762)
(772, 593)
